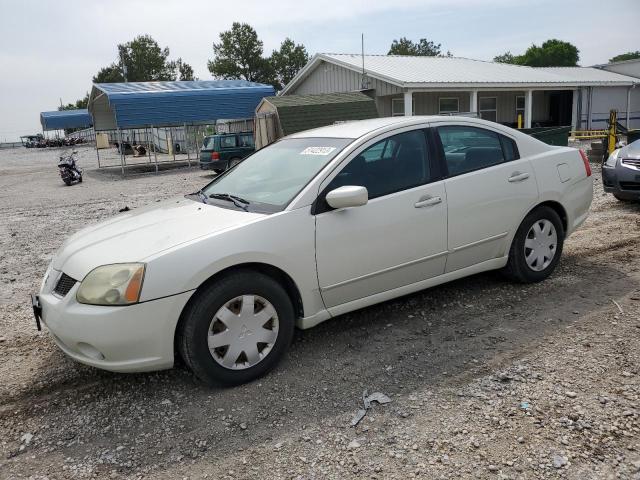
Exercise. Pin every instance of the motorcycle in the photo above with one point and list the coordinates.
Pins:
(69, 171)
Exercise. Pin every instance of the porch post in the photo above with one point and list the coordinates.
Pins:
(574, 110)
(528, 100)
(473, 101)
(408, 104)
(628, 105)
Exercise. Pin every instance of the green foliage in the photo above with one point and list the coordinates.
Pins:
(287, 61)
(239, 56)
(82, 103)
(552, 53)
(184, 70)
(625, 56)
(423, 47)
(144, 61)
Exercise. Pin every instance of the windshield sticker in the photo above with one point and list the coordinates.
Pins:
(317, 150)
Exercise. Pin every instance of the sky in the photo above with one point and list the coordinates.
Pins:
(50, 50)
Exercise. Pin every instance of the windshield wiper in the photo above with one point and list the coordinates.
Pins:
(237, 201)
(202, 195)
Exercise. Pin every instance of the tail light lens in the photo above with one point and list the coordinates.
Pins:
(215, 156)
(585, 159)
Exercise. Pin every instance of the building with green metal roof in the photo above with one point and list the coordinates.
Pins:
(283, 115)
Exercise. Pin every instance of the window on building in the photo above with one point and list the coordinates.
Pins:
(448, 105)
(489, 108)
(396, 163)
(397, 107)
(520, 107)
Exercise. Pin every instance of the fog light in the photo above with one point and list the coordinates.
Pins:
(90, 351)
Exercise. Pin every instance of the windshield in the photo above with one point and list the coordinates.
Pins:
(270, 178)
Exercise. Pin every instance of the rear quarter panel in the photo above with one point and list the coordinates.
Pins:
(562, 177)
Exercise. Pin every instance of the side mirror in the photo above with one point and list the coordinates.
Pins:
(348, 196)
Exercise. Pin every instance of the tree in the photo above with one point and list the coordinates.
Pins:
(625, 56)
(423, 47)
(109, 74)
(184, 69)
(82, 103)
(552, 53)
(143, 61)
(506, 57)
(239, 56)
(287, 61)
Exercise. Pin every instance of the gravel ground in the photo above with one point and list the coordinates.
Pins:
(487, 379)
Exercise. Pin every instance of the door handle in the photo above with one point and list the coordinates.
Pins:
(518, 177)
(427, 201)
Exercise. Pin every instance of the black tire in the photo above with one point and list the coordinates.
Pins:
(218, 171)
(80, 179)
(517, 268)
(196, 320)
(67, 182)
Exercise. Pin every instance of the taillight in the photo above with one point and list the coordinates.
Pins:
(215, 156)
(585, 159)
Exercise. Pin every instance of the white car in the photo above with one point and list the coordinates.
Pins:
(320, 223)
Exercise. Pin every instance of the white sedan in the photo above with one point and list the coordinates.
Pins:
(320, 223)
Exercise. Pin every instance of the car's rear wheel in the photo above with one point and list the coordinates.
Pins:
(237, 329)
(623, 199)
(536, 247)
(218, 170)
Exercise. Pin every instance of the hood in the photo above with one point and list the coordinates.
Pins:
(136, 235)
(630, 151)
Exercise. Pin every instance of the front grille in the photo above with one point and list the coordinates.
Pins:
(632, 162)
(65, 283)
(630, 185)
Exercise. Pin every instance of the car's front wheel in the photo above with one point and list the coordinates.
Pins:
(237, 328)
(536, 247)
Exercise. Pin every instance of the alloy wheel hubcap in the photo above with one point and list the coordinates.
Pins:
(540, 245)
(243, 332)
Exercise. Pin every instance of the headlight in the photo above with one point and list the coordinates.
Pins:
(613, 158)
(118, 284)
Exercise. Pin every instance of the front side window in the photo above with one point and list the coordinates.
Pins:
(449, 105)
(271, 177)
(228, 141)
(469, 148)
(489, 108)
(396, 163)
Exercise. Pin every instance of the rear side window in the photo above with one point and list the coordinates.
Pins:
(467, 149)
(509, 148)
(245, 140)
(228, 141)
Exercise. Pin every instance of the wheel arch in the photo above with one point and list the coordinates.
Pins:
(558, 208)
(272, 271)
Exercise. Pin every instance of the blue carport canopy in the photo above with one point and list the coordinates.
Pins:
(59, 120)
(163, 104)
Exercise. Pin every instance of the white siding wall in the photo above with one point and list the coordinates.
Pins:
(429, 104)
(628, 68)
(603, 99)
(330, 78)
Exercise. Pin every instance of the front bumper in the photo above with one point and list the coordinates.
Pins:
(134, 338)
(623, 181)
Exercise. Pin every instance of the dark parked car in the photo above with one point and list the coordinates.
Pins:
(621, 173)
(220, 152)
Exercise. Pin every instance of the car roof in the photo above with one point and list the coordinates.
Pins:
(358, 128)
